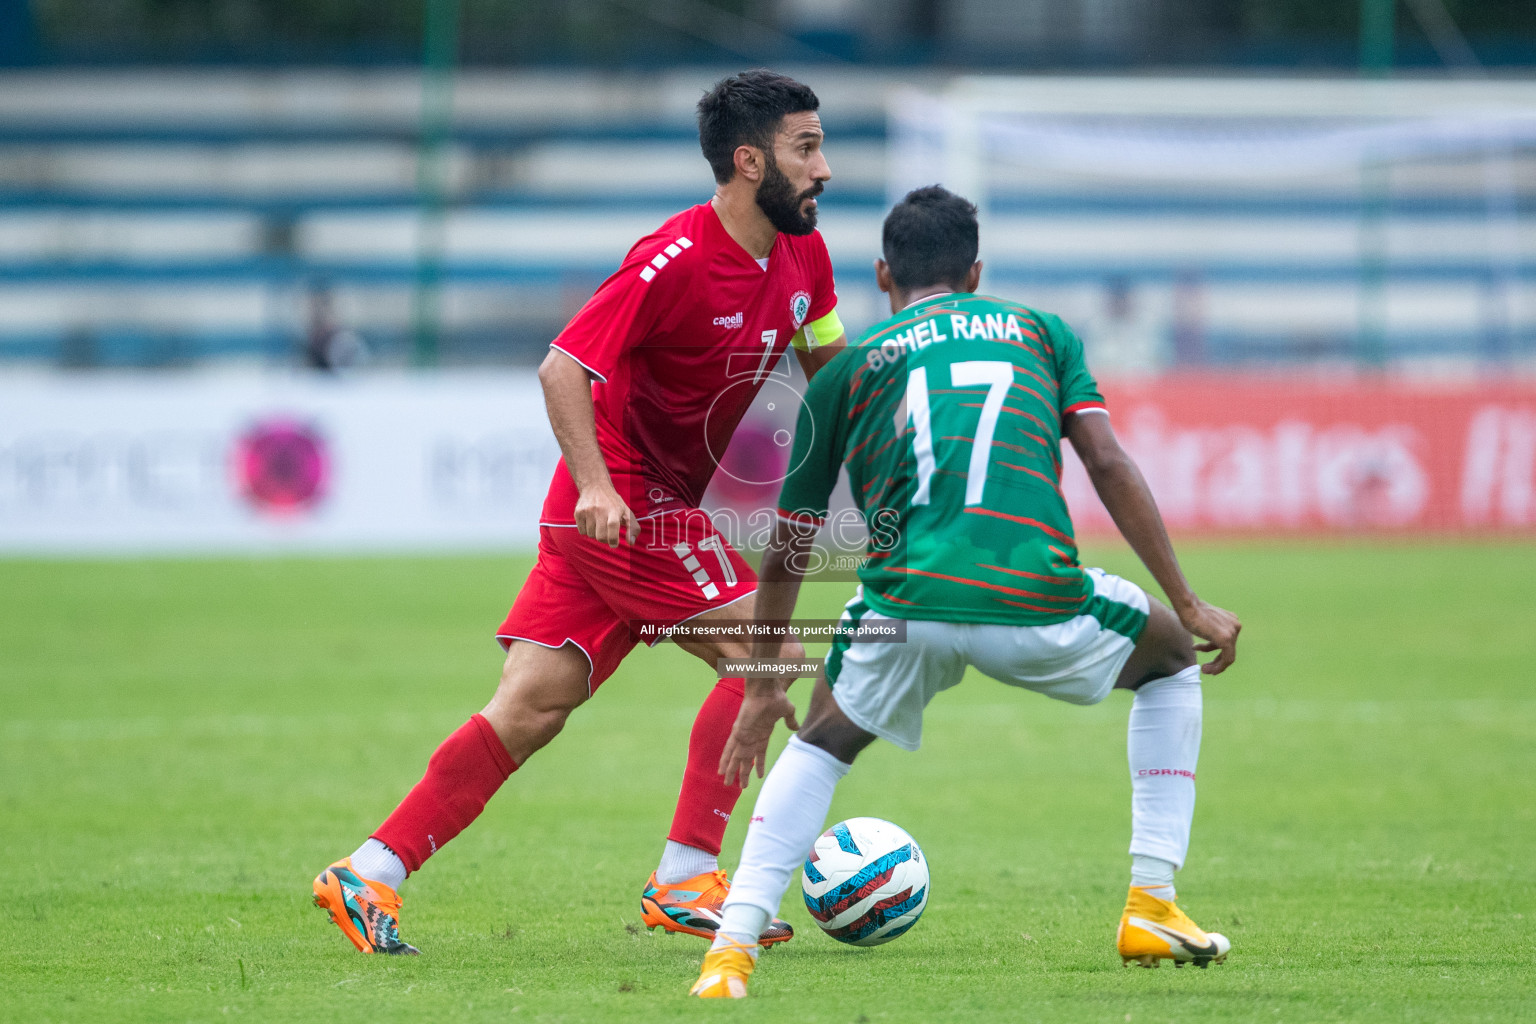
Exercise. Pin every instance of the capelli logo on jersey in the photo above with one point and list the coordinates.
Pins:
(734, 320)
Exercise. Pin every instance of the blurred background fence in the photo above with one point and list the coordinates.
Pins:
(216, 195)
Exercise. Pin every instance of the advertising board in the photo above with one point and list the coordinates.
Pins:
(256, 462)
(247, 462)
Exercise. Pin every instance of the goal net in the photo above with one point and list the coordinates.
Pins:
(1209, 222)
(1312, 304)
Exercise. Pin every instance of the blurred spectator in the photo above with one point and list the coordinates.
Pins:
(328, 345)
(1188, 319)
(1129, 336)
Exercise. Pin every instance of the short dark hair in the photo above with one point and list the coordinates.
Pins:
(745, 110)
(930, 237)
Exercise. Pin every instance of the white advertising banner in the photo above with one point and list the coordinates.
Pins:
(253, 462)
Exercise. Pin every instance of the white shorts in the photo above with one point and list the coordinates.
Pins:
(884, 687)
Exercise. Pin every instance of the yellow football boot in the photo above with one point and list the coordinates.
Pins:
(725, 973)
(1154, 930)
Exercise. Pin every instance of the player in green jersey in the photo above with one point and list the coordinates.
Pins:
(949, 417)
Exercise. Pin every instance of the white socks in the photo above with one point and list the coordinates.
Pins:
(1155, 875)
(790, 812)
(373, 860)
(1163, 746)
(378, 863)
(680, 863)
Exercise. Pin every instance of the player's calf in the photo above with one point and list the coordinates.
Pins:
(539, 689)
(827, 727)
(1163, 750)
(1164, 648)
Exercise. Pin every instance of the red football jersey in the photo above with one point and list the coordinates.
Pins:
(679, 342)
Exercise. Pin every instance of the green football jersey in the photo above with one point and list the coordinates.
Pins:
(948, 416)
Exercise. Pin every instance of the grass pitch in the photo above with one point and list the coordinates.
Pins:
(184, 744)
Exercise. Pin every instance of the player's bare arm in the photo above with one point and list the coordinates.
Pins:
(1125, 494)
(813, 360)
(767, 700)
(600, 512)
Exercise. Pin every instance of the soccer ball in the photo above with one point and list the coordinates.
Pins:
(865, 882)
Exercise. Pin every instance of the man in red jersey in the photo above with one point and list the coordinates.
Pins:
(648, 380)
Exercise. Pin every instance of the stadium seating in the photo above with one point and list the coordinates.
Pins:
(161, 218)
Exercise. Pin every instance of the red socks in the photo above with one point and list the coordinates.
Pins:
(462, 775)
(471, 765)
(705, 804)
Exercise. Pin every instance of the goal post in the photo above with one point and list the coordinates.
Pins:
(1370, 199)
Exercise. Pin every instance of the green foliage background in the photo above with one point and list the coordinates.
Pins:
(595, 31)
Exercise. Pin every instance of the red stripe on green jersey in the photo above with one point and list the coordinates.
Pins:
(957, 531)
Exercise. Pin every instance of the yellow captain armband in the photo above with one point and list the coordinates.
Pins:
(818, 332)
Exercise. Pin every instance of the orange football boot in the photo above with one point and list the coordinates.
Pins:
(367, 912)
(692, 907)
(1154, 930)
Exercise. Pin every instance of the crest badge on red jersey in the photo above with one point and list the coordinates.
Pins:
(800, 306)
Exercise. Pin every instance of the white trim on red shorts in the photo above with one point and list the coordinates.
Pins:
(640, 519)
(553, 647)
(714, 607)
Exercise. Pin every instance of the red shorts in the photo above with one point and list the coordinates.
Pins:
(601, 599)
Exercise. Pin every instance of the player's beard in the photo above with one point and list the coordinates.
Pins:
(781, 204)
